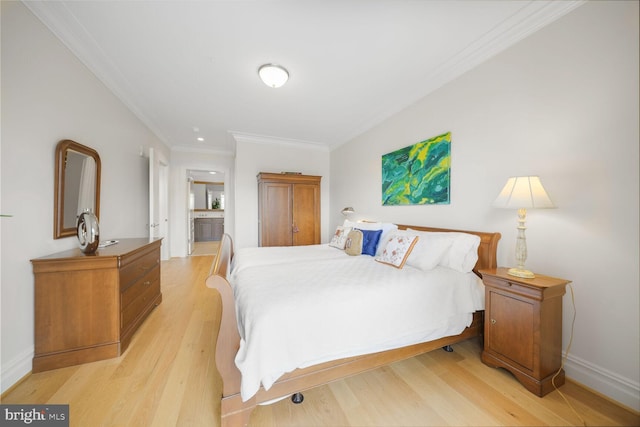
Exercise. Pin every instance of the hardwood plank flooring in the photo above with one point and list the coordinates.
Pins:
(205, 248)
(167, 377)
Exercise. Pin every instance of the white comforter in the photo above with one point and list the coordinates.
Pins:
(302, 306)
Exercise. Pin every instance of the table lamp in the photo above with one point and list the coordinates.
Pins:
(522, 193)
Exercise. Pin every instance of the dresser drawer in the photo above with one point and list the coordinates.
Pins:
(139, 287)
(138, 297)
(131, 273)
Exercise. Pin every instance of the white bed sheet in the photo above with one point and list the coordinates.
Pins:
(254, 257)
(302, 306)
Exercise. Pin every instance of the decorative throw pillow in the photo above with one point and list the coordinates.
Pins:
(397, 250)
(386, 227)
(370, 239)
(339, 239)
(354, 243)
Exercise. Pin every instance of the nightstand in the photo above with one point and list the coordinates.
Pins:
(523, 327)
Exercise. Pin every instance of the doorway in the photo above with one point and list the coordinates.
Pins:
(206, 211)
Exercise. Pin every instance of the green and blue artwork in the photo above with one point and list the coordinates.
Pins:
(418, 174)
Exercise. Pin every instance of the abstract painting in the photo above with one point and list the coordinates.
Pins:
(418, 174)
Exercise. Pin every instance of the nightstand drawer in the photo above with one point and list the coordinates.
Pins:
(513, 288)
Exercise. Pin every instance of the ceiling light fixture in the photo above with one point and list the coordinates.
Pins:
(200, 138)
(273, 75)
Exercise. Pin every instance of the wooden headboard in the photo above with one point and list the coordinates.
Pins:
(487, 251)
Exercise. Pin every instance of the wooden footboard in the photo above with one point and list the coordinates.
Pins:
(235, 412)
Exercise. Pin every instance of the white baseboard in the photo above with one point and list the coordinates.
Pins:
(15, 369)
(622, 390)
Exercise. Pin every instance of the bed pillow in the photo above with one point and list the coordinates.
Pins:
(429, 251)
(386, 227)
(370, 239)
(353, 245)
(397, 249)
(461, 253)
(339, 239)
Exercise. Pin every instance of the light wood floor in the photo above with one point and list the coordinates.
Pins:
(205, 248)
(167, 377)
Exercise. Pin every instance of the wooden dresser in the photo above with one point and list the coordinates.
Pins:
(88, 306)
(289, 209)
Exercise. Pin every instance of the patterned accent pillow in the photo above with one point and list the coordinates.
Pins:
(354, 242)
(339, 239)
(397, 250)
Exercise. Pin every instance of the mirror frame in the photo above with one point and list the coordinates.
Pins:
(221, 183)
(58, 200)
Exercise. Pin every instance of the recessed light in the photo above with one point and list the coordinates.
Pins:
(213, 173)
(200, 139)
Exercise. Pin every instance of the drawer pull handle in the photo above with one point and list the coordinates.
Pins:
(147, 282)
(493, 321)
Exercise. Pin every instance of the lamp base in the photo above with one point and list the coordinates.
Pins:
(520, 272)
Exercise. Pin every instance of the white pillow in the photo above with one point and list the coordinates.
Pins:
(386, 228)
(429, 250)
(339, 239)
(397, 249)
(461, 254)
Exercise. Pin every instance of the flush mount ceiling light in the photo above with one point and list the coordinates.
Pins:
(273, 75)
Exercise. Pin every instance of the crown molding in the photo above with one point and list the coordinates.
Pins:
(62, 23)
(524, 22)
(188, 149)
(271, 140)
(56, 16)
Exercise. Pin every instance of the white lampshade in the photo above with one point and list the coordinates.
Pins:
(523, 192)
(273, 75)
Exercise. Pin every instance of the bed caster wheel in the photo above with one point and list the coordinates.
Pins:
(448, 348)
(297, 398)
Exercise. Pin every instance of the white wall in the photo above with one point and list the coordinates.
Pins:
(561, 104)
(47, 96)
(276, 156)
(181, 162)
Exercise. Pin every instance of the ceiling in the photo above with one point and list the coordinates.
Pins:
(188, 69)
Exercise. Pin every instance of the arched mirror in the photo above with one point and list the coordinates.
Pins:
(77, 186)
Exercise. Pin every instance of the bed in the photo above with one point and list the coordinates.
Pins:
(254, 355)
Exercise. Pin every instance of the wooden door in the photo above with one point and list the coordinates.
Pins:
(306, 214)
(511, 327)
(276, 215)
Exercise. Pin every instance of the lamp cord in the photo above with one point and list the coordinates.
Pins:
(566, 355)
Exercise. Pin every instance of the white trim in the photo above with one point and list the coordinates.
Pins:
(62, 22)
(610, 384)
(187, 149)
(507, 33)
(14, 370)
(271, 140)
